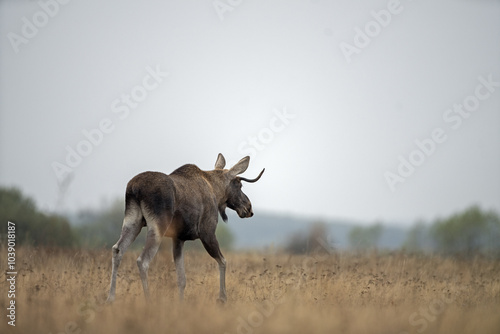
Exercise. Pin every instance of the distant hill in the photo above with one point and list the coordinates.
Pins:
(264, 230)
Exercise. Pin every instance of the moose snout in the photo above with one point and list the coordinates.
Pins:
(245, 212)
(248, 211)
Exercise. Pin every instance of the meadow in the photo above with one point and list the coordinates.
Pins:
(63, 291)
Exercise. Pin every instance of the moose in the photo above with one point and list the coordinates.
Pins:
(183, 206)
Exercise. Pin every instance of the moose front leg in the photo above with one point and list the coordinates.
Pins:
(179, 266)
(222, 273)
(212, 246)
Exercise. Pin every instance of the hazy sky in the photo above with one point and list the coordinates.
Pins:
(364, 110)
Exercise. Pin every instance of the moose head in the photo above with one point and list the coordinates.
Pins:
(234, 197)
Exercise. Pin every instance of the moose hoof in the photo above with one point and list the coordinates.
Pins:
(221, 301)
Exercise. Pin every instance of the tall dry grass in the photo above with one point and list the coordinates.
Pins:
(62, 291)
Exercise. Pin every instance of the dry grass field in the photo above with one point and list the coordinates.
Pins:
(62, 291)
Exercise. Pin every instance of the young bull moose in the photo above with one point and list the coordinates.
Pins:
(184, 206)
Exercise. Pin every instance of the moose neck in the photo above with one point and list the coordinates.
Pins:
(217, 181)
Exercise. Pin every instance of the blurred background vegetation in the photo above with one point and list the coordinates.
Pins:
(37, 228)
(470, 232)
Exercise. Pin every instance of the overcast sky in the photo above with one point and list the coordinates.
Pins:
(363, 110)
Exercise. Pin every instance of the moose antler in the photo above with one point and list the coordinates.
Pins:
(253, 180)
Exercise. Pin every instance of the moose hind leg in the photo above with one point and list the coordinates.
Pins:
(153, 241)
(212, 246)
(132, 225)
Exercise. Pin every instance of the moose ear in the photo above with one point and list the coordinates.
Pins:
(221, 162)
(240, 167)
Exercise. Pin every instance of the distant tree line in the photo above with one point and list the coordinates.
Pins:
(472, 231)
(469, 232)
(466, 233)
(34, 227)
